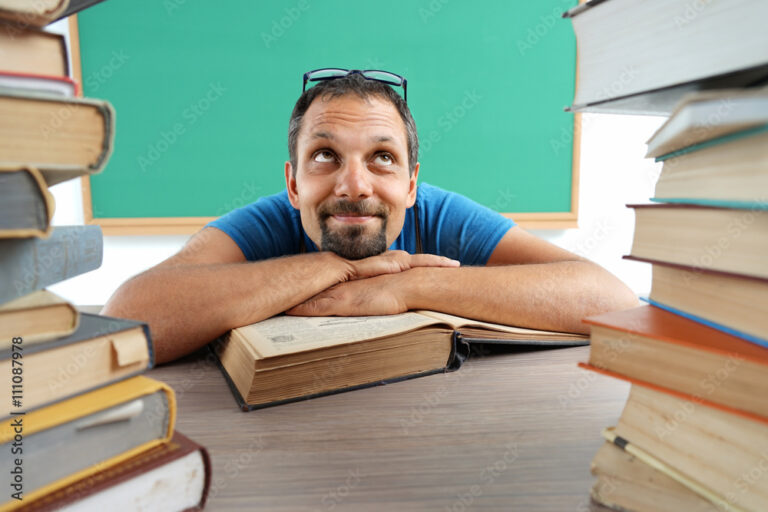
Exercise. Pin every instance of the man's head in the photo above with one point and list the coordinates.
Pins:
(352, 169)
(364, 89)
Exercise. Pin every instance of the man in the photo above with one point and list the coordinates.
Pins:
(320, 247)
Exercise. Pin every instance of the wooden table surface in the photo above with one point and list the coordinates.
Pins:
(511, 430)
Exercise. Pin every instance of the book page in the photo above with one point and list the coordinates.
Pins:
(457, 322)
(289, 334)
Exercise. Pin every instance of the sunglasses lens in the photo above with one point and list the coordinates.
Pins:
(324, 74)
(383, 76)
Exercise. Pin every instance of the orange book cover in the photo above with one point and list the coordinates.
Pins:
(656, 323)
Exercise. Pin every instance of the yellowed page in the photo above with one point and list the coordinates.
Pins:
(457, 322)
(35, 299)
(290, 334)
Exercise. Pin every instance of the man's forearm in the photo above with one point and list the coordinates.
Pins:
(187, 306)
(554, 296)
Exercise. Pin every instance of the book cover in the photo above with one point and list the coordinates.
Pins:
(635, 57)
(290, 358)
(709, 115)
(38, 13)
(41, 12)
(708, 445)
(101, 351)
(171, 476)
(60, 146)
(30, 50)
(635, 482)
(655, 346)
(730, 302)
(37, 83)
(722, 239)
(39, 316)
(76, 438)
(29, 264)
(26, 205)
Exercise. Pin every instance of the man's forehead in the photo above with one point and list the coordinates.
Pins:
(325, 116)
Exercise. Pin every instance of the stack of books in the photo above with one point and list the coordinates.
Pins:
(694, 432)
(81, 429)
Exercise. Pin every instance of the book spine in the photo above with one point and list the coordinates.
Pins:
(31, 264)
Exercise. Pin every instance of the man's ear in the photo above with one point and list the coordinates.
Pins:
(412, 186)
(290, 185)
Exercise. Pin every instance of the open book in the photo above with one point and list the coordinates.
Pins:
(289, 358)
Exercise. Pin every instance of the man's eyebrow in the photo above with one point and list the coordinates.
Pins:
(322, 135)
(383, 138)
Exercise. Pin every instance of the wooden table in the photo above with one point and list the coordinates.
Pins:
(511, 430)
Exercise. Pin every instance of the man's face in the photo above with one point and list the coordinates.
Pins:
(352, 184)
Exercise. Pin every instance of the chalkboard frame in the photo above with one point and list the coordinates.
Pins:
(114, 226)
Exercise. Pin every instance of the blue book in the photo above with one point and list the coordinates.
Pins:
(29, 264)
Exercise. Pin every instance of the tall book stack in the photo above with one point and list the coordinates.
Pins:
(81, 429)
(694, 432)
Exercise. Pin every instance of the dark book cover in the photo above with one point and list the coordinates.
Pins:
(29, 264)
(26, 206)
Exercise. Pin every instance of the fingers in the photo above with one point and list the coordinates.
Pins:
(391, 262)
(432, 260)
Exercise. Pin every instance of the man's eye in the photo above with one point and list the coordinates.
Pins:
(323, 156)
(384, 159)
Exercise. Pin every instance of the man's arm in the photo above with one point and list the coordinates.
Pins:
(209, 287)
(528, 282)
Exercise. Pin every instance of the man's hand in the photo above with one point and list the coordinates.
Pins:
(380, 295)
(392, 262)
(371, 287)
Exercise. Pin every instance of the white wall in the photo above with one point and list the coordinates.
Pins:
(613, 173)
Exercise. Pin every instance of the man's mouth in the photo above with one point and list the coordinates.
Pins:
(350, 218)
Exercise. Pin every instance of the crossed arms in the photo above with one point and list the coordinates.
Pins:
(208, 288)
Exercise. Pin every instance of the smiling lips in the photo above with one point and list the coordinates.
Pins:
(351, 218)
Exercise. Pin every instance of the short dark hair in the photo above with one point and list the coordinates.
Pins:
(352, 84)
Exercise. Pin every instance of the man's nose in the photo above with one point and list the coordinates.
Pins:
(353, 181)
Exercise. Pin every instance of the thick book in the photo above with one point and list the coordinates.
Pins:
(30, 50)
(101, 351)
(289, 358)
(39, 13)
(642, 57)
(77, 438)
(730, 171)
(37, 317)
(625, 482)
(37, 83)
(721, 452)
(724, 239)
(26, 205)
(62, 137)
(731, 303)
(709, 115)
(652, 345)
(171, 477)
(29, 264)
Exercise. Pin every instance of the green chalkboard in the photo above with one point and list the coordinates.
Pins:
(203, 92)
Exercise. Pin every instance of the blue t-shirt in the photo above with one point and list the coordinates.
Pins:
(451, 225)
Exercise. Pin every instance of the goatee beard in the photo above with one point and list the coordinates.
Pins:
(352, 242)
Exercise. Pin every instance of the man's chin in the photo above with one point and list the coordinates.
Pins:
(353, 243)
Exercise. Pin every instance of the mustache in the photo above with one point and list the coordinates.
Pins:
(361, 208)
